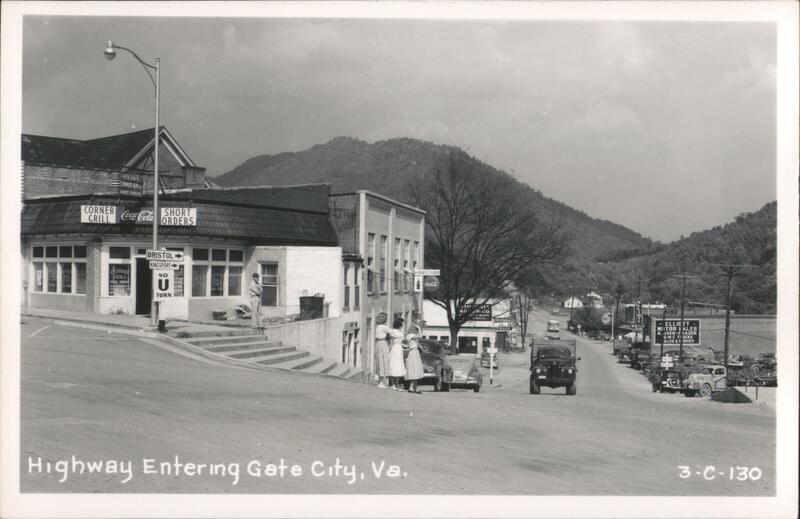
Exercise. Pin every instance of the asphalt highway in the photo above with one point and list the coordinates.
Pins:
(149, 417)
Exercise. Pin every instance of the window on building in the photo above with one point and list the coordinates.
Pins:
(398, 254)
(269, 284)
(407, 255)
(346, 275)
(383, 252)
(415, 259)
(217, 272)
(356, 288)
(59, 269)
(119, 279)
(371, 263)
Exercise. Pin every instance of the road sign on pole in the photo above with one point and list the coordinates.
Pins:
(164, 255)
(164, 285)
(164, 265)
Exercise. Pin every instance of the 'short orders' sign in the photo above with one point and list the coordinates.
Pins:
(670, 333)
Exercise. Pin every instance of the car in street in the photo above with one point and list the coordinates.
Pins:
(669, 380)
(553, 326)
(466, 372)
(553, 365)
(435, 365)
(624, 356)
(713, 378)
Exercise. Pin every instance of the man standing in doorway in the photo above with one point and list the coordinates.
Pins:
(255, 300)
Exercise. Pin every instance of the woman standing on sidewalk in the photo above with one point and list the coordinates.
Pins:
(414, 360)
(382, 350)
(397, 367)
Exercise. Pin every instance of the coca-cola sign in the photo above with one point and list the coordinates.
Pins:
(132, 216)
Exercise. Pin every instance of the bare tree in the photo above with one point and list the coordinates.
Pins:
(481, 232)
(529, 282)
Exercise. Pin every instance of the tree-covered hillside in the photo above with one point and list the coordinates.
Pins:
(387, 167)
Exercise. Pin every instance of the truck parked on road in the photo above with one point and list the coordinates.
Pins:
(553, 365)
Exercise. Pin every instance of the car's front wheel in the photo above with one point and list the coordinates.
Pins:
(705, 391)
(534, 387)
(445, 386)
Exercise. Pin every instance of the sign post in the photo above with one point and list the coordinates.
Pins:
(492, 353)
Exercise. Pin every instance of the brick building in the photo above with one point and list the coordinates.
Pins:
(114, 164)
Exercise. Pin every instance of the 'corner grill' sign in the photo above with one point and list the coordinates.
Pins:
(108, 214)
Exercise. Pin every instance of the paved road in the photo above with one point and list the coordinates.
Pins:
(103, 397)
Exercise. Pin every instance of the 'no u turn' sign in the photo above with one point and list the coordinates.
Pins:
(164, 284)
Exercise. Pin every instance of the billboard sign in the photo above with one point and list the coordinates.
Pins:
(98, 214)
(481, 312)
(671, 333)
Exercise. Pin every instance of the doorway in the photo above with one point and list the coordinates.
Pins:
(144, 287)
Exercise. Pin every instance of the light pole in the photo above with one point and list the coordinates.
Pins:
(111, 53)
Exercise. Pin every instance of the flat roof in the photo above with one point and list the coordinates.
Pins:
(382, 197)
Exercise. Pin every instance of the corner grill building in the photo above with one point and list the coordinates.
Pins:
(86, 252)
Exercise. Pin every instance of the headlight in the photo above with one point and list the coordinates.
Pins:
(538, 370)
(569, 371)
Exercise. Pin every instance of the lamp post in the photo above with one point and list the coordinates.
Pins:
(111, 53)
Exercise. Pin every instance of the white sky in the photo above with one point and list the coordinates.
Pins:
(664, 127)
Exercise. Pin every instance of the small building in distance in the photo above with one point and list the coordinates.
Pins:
(489, 327)
(572, 302)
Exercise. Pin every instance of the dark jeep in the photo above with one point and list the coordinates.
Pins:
(553, 365)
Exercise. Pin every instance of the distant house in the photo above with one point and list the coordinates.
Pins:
(115, 164)
(595, 299)
(572, 302)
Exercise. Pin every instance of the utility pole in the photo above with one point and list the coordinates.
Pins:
(620, 290)
(663, 329)
(680, 328)
(729, 271)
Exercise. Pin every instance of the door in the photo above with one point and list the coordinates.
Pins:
(144, 287)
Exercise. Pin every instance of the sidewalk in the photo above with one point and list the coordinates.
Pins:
(135, 323)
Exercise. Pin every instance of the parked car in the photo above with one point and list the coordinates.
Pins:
(713, 378)
(624, 356)
(435, 365)
(618, 345)
(486, 358)
(637, 357)
(669, 380)
(466, 372)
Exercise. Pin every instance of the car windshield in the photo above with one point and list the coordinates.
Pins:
(554, 352)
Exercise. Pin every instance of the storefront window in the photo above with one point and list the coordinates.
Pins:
(66, 277)
(80, 276)
(38, 269)
(234, 279)
(119, 279)
(225, 267)
(217, 281)
(53, 272)
(199, 280)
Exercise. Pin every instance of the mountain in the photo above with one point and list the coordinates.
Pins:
(749, 241)
(386, 167)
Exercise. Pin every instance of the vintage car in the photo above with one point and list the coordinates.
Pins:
(486, 358)
(713, 378)
(553, 326)
(619, 345)
(466, 372)
(669, 380)
(624, 356)
(435, 365)
(553, 365)
(637, 357)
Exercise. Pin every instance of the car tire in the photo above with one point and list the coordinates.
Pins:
(705, 391)
(572, 390)
(654, 387)
(445, 385)
(534, 387)
(477, 388)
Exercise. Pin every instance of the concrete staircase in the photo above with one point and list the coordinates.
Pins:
(258, 350)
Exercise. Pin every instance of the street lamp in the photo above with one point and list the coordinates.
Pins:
(111, 53)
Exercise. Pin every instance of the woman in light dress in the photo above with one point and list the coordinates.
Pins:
(397, 367)
(414, 370)
(382, 350)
